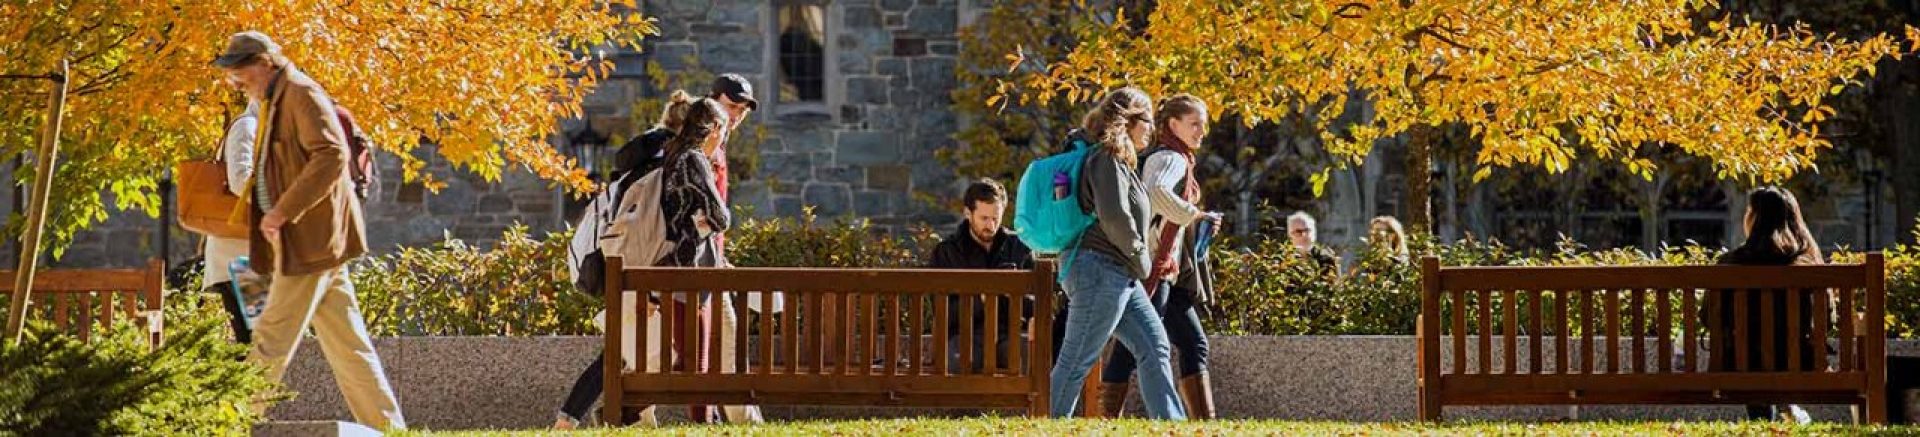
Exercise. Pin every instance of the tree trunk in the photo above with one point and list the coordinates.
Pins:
(1650, 222)
(1449, 229)
(1420, 180)
(1480, 211)
(1736, 233)
(1895, 103)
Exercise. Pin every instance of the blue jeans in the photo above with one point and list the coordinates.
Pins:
(1105, 303)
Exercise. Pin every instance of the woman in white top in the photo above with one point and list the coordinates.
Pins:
(1173, 195)
(237, 152)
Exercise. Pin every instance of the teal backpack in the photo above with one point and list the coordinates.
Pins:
(1046, 210)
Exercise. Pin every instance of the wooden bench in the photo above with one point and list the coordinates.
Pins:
(81, 300)
(1515, 343)
(847, 337)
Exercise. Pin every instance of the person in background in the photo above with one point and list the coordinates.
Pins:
(1303, 232)
(1104, 273)
(1174, 194)
(642, 154)
(735, 95)
(236, 151)
(1386, 248)
(1777, 235)
(981, 243)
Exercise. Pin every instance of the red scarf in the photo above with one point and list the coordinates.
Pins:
(1164, 263)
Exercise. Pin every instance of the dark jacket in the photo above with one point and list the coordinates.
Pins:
(960, 251)
(1196, 273)
(1719, 317)
(1325, 262)
(688, 188)
(643, 153)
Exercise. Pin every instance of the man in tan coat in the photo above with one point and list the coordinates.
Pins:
(306, 226)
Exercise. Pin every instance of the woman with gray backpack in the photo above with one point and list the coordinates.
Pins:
(638, 157)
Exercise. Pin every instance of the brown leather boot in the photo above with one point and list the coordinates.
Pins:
(1113, 398)
(1196, 391)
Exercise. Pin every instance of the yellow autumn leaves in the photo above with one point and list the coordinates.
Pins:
(1538, 82)
(485, 81)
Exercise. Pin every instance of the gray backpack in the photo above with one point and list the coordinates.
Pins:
(638, 233)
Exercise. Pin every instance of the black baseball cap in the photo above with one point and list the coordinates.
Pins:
(736, 88)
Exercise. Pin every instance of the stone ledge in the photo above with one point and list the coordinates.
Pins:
(518, 383)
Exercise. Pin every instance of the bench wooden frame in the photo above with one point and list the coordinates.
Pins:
(833, 317)
(1572, 374)
(79, 300)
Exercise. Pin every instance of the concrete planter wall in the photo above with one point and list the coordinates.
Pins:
(518, 382)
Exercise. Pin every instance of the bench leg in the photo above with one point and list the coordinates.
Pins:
(1876, 405)
(1090, 392)
(1429, 405)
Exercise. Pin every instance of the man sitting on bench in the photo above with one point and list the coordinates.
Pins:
(981, 244)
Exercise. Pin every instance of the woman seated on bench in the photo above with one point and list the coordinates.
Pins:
(1776, 236)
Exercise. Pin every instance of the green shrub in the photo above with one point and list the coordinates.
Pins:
(804, 242)
(194, 384)
(519, 287)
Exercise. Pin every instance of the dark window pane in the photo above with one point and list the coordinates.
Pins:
(802, 52)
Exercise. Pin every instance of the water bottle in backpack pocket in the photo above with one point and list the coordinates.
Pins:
(1047, 213)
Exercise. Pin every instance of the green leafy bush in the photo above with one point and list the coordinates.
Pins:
(194, 384)
(804, 242)
(518, 287)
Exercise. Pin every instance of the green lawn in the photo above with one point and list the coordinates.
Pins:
(1019, 426)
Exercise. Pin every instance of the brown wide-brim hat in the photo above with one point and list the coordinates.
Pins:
(243, 46)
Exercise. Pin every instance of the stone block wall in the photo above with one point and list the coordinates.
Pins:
(865, 150)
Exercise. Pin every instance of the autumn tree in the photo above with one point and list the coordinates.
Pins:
(1009, 122)
(486, 82)
(1533, 83)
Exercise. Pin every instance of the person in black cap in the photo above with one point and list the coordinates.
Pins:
(736, 95)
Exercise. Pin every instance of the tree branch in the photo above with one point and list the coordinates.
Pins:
(1342, 10)
(1429, 30)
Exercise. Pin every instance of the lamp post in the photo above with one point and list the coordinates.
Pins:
(590, 148)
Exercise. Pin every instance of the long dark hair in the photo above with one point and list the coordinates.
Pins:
(703, 118)
(1776, 229)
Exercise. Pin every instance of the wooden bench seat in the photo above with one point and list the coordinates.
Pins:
(1653, 335)
(832, 316)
